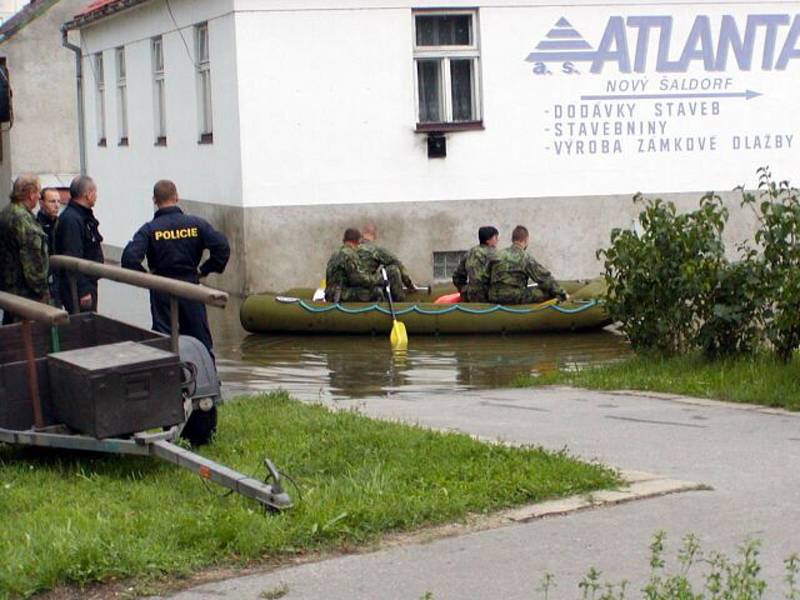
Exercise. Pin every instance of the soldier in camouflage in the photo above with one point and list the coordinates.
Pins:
(513, 268)
(23, 246)
(373, 257)
(346, 279)
(471, 277)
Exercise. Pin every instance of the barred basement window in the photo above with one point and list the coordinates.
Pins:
(122, 97)
(447, 63)
(159, 92)
(445, 263)
(100, 98)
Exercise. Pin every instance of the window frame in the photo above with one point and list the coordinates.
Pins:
(447, 256)
(98, 69)
(445, 54)
(121, 67)
(159, 90)
(205, 104)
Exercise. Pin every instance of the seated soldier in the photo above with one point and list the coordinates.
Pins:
(513, 268)
(373, 257)
(471, 277)
(346, 279)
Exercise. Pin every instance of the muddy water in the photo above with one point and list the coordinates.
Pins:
(326, 367)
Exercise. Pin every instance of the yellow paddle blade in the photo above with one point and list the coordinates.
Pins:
(398, 337)
(551, 302)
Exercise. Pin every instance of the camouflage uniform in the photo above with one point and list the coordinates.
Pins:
(373, 256)
(23, 255)
(510, 274)
(346, 272)
(471, 277)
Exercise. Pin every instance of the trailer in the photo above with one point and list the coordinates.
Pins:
(91, 383)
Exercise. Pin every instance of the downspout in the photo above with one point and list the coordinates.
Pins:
(79, 82)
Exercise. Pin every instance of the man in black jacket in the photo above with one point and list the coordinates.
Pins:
(173, 244)
(77, 234)
(48, 218)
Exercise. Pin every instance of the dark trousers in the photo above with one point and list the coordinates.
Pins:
(192, 318)
(66, 299)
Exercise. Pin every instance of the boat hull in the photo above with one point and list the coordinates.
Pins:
(294, 312)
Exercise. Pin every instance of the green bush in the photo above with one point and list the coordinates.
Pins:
(734, 326)
(777, 206)
(663, 283)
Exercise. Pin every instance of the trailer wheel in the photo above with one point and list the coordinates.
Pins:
(200, 427)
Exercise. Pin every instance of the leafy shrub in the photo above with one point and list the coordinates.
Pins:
(662, 283)
(777, 206)
(734, 326)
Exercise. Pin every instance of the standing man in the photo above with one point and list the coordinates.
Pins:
(78, 234)
(23, 246)
(471, 277)
(173, 244)
(373, 256)
(346, 278)
(512, 270)
(49, 203)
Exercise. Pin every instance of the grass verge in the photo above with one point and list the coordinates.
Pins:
(78, 518)
(756, 380)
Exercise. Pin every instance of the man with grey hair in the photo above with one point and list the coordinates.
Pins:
(78, 234)
(23, 246)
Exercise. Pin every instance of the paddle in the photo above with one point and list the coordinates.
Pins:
(398, 338)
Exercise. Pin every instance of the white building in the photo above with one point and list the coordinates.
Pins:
(41, 135)
(284, 121)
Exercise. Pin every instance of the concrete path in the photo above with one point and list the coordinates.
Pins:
(748, 456)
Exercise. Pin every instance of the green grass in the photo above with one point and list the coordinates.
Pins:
(79, 518)
(758, 380)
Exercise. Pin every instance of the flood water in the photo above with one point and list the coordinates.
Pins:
(333, 367)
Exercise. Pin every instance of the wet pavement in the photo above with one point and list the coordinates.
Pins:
(340, 367)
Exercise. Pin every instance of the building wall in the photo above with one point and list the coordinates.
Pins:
(327, 96)
(44, 137)
(208, 174)
(320, 103)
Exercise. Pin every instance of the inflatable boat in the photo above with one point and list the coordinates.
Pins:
(294, 311)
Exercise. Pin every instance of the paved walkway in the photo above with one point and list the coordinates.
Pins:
(749, 457)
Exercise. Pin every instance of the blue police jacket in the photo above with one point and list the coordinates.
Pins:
(173, 243)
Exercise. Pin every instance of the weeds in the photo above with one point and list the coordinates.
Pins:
(722, 578)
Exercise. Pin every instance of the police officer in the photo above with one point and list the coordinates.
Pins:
(78, 234)
(173, 244)
(49, 203)
(23, 246)
(472, 275)
(514, 267)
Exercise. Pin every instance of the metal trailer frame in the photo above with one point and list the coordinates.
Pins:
(268, 493)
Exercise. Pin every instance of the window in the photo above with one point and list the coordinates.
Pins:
(122, 97)
(445, 263)
(100, 98)
(159, 93)
(203, 83)
(447, 65)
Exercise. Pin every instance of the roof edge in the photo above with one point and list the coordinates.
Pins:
(23, 17)
(92, 15)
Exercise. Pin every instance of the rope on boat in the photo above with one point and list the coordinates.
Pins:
(424, 311)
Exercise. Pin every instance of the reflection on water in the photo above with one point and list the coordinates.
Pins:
(325, 367)
(358, 366)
